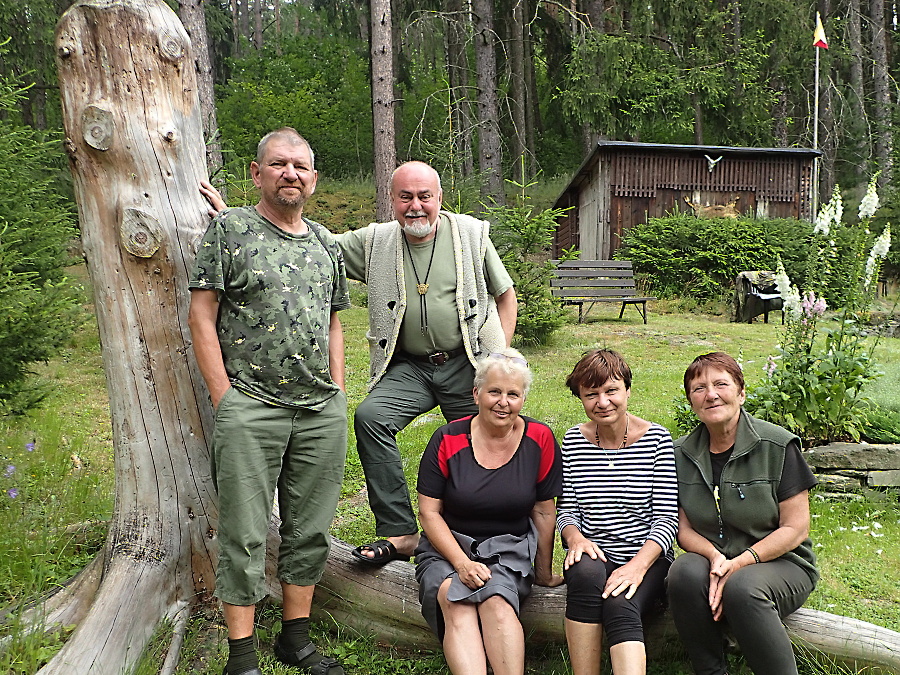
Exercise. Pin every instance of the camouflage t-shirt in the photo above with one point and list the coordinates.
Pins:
(277, 291)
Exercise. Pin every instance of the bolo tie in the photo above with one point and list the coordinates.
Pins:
(422, 286)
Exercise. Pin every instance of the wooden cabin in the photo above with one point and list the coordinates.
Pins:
(623, 183)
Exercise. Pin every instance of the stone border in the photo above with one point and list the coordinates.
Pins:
(848, 467)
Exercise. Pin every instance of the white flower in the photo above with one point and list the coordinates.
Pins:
(883, 243)
(869, 204)
(823, 221)
(879, 250)
(790, 296)
(831, 212)
(837, 205)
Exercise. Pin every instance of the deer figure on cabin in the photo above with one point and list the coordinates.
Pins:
(728, 210)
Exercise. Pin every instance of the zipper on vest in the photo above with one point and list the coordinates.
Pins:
(719, 511)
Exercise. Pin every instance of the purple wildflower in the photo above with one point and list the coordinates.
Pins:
(13, 493)
(30, 446)
(10, 470)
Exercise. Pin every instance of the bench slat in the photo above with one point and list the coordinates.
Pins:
(592, 283)
(594, 274)
(593, 264)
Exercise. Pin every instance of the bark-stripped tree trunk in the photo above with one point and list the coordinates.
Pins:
(490, 157)
(194, 19)
(134, 138)
(881, 84)
(383, 105)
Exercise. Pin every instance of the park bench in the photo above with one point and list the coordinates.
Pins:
(585, 282)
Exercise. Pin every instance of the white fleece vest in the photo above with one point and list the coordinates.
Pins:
(479, 321)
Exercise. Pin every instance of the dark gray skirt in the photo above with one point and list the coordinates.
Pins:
(508, 557)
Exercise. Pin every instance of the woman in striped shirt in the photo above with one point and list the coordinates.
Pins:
(617, 516)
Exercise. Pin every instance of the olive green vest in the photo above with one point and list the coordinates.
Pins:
(747, 493)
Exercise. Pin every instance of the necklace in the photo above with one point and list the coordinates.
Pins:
(611, 453)
(422, 286)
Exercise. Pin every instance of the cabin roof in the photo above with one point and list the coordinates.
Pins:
(659, 148)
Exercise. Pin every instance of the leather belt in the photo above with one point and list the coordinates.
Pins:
(436, 358)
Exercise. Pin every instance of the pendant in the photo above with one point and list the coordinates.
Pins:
(422, 288)
(611, 465)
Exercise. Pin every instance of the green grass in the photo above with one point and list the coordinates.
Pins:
(56, 522)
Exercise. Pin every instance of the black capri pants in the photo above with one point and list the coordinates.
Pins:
(620, 617)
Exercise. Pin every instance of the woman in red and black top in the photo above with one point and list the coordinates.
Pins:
(486, 489)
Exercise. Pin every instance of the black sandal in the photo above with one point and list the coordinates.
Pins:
(308, 660)
(384, 552)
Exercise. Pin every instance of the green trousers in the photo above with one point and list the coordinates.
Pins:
(754, 600)
(408, 389)
(256, 448)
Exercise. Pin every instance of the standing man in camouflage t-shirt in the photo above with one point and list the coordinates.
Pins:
(265, 293)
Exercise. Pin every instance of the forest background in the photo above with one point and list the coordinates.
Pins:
(478, 85)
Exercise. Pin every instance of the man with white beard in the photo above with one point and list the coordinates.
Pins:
(439, 300)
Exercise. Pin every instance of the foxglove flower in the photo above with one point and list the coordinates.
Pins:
(879, 250)
(869, 204)
(790, 296)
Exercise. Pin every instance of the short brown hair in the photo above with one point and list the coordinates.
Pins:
(717, 361)
(595, 368)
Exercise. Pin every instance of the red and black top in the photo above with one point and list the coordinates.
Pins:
(483, 503)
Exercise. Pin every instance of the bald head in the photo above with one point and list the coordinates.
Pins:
(414, 168)
(416, 197)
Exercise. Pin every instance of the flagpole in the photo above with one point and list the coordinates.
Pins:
(815, 182)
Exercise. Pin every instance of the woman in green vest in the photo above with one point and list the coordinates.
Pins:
(743, 492)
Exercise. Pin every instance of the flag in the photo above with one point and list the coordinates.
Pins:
(819, 36)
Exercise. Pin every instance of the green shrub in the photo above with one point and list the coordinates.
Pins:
(38, 305)
(683, 255)
(522, 237)
(882, 425)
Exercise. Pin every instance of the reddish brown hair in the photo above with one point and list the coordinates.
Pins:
(715, 361)
(595, 368)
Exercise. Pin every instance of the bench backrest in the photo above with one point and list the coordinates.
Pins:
(593, 278)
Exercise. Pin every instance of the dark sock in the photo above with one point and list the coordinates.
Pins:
(241, 656)
(294, 634)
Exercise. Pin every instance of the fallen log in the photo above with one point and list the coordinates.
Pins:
(384, 602)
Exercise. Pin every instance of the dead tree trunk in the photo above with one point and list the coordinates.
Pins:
(135, 142)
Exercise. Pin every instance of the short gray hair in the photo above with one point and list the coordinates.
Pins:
(288, 134)
(508, 361)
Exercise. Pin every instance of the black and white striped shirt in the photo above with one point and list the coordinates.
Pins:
(619, 499)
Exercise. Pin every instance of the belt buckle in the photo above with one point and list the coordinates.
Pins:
(438, 358)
